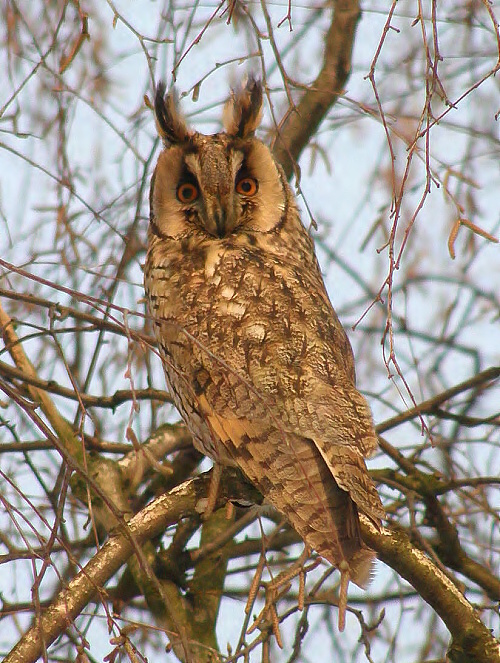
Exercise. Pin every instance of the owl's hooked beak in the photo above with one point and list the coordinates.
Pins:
(220, 217)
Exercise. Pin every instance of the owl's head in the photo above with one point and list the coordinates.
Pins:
(215, 186)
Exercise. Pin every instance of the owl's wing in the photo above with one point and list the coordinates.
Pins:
(339, 421)
(336, 420)
(286, 466)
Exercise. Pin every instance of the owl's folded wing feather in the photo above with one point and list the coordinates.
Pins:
(339, 420)
(288, 469)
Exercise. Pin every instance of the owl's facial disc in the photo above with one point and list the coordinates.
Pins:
(217, 186)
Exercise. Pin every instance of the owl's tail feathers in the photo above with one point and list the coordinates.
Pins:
(361, 567)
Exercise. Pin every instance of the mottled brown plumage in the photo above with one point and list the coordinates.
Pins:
(255, 357)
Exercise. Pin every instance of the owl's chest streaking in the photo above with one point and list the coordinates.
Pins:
(235, 320)
(247, 306)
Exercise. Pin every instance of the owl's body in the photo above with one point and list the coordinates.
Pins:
(256, 360)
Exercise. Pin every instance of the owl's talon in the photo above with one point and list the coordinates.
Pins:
(344, 584)
(213, 491)
(201, 506)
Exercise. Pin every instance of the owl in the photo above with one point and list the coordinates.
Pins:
(255, 357)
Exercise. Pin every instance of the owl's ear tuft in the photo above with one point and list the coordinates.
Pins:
(170, 123)
(243, 110)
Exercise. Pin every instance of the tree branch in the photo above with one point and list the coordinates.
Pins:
(303, 121)
(112, 402)
(471, 640)
(150, 522)
(62, 428)
(432, 404)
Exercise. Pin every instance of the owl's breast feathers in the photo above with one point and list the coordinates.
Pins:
(263, 373)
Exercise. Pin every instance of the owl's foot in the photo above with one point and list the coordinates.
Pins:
(275, 589)
(344, 584)
(213, 491)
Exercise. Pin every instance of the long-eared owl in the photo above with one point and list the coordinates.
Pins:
(255, 357)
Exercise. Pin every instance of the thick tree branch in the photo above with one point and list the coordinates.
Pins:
(471, 640)
(470, 636)
(304, 120)
(452, 553)
(150, 522)
(207, 584)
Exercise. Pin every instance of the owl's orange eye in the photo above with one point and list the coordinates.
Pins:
(187, 192)
(247, 186)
